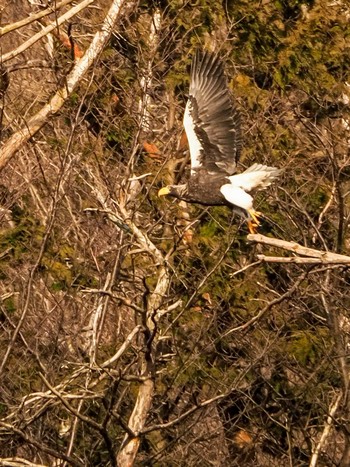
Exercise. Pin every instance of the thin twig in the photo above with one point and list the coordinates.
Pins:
(186, 414)
(40, 446)
(119, 297)
(268, 307)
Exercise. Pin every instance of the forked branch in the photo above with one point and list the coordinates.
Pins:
(33, 17)
(53, 25)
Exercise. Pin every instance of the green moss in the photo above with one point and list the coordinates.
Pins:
(22, 238)
(316, 200)
(74, 98)
(10, 305)
(305, 346)
(56, 143)
(176, 79)
(123, 134)
(157, 439)
(59, 270)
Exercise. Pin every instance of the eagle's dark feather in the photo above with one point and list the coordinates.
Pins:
(197, 189)
(215, 120)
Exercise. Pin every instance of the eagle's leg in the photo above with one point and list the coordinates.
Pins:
(253, 220)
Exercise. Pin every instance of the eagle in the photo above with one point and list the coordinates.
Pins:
(212, 126)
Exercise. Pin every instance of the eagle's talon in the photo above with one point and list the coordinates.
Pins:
(252, 227)
(255, 217)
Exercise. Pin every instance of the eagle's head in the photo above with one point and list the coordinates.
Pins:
(177, 191)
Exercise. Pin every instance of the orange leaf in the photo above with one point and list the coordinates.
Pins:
(207, 297)
(64, 39)
(183, 143)
(243, 439)
(151, 149)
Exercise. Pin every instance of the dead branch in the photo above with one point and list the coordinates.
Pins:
(33, 17)
(324, 210)
(69, 407)
(39, 119)
(318, 256)
(44, 32)
(137, 421)
(35, 403)
(115, 296)
(142, 239)
(98, 315)
(299, 260)
(146, 80)
(74, 431)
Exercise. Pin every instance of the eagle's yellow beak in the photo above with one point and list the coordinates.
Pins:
(164, 191)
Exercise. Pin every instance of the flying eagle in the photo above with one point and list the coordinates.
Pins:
(212, 126)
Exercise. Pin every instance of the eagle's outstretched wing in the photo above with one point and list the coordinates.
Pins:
(211, 122)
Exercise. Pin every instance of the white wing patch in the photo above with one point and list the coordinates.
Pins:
(237, 196)
(257, 176)
(195, 145)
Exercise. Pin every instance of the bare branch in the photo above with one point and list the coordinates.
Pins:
(40, 446)
(74, 430)
(142, 238)
(131, 443)
(33, 17)
(18, 462)
(122, 348)
(299, 260)
(119, 297)
(69, 407)
(324, 257)
(324, 210)
(244, 268)
(138, 417)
